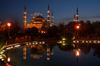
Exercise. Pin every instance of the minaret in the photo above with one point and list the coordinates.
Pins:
(48, 16)
(52, 19)
(77, 16)
(74, 18)
(24, 16)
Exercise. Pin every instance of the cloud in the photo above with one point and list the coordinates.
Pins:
(66, 19)
(36, 14)
(84, 18)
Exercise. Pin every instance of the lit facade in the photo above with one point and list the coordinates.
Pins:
(38, 22)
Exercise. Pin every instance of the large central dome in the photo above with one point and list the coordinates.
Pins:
(39, 17)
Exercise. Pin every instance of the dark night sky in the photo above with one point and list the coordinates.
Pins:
(12, 10)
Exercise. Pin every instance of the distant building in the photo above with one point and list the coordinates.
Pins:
(77, 16)
(38, 22)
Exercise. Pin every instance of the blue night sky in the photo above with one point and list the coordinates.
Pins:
(63, 10)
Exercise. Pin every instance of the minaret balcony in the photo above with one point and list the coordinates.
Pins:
(48, 20)
(77, 20)
(77, 15)
(25, 17)
(48, 11)
(25, 13)
(24, 21)
(48, 16)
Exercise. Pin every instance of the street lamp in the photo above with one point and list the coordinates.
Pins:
(9, 24)
(77, 27)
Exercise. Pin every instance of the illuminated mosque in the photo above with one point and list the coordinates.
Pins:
(76, 20)
(38, 22)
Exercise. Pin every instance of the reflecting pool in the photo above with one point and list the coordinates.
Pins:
(65, 54)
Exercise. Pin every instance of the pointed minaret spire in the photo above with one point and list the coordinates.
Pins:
(24, 16)
(48, 6)
(52, 19)
(33, 14)
(77, 15)
(25, 8)
(74, 17)
(48, 16)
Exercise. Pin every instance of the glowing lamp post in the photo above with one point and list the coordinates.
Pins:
(9, 24)
(77, 27)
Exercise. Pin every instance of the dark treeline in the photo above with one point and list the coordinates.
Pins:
(87, 29)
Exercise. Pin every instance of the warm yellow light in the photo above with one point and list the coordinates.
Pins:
(48, 11)
(73, 45)
(64, 44)
(63, 38)
(8, 24)
(8, 59)
(48, 58)
(77, 53)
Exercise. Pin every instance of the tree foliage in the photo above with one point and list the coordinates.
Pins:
(2, 41)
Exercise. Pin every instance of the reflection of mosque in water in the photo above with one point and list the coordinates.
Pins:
(38, 50)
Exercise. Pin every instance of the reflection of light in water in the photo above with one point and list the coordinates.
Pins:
(48, 53)
(77, 53)
(8, 59)
(24, 52)
(52, 51)
(7, 64)
(64, 44)
(36, 56)
(73, 45)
